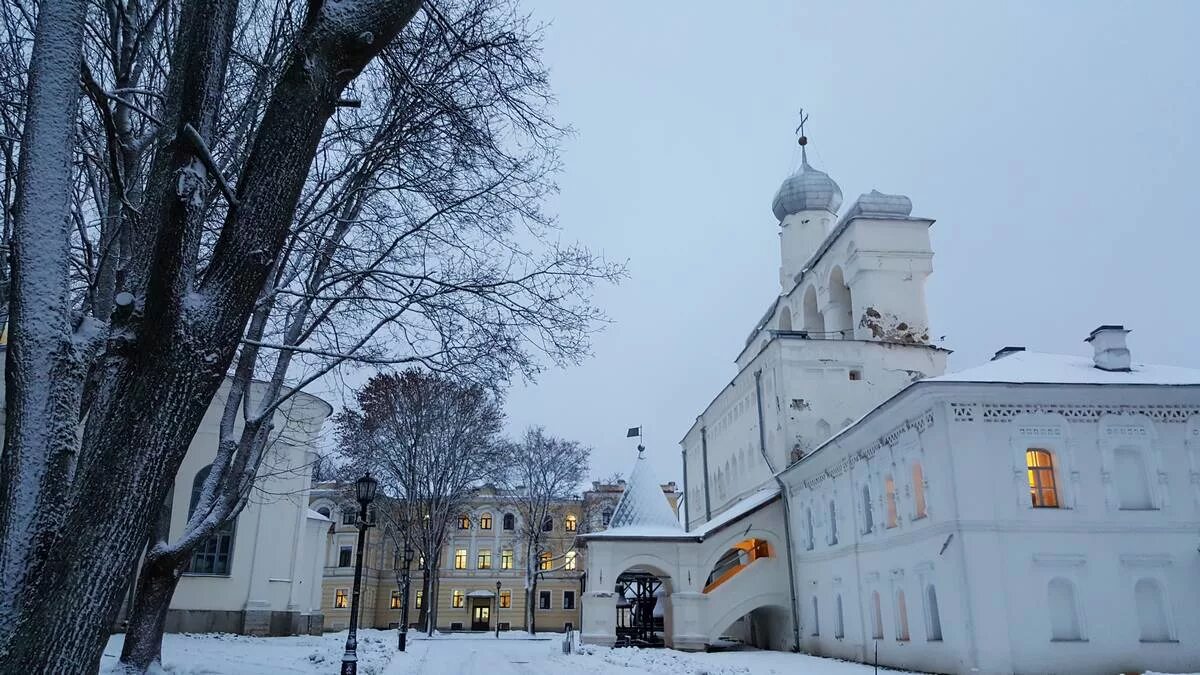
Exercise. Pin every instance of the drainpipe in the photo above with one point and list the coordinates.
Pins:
(787, 510)
(704, 458)
(686, 519)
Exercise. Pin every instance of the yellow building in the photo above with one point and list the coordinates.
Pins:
(483, 548)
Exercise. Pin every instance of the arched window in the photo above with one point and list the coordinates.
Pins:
(839, 620)
(814, 323)
(571, 523)
(324, 510)
(547, 524)
(1151, 611)
(876, 617)
(785, 319)
(918, 479)
(933, 618)
(464, 522)
(901, 617)
(833, 538)
(889, 495)
(868, 516)
(809, 530)
(1064, 611)
(485, 521)
(823, 431)
(839, 316)
(1133, 489)
(816, 617)
(214, 555)
(510, 521)
(1043, 490)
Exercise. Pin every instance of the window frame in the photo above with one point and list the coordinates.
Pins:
(460, 558)
(545, 561)
(505, 599)
(1035, 476)
(506, 559)
(570, 561)
(395, 602)
(347, 551)
(485, 521)
(458, 598)
(341, 598)
(548, 596)
(568, 594)
(483, 559)
(571, 523)
(464, 521)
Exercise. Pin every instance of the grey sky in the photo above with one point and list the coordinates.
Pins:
(1054, 143)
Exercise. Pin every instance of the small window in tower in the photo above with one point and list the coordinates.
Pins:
(855, 375)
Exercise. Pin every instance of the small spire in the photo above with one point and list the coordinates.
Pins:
(802, 139)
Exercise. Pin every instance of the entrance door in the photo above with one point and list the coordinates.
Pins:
(480, 616)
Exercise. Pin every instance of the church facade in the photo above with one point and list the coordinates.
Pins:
(844, 496)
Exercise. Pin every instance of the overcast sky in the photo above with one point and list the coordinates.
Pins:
(1055, 144)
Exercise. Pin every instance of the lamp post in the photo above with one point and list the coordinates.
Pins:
(364, 492)
(497, 610)
(407, 577)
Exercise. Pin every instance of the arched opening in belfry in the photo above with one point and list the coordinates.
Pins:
(642, 619)
(785, 319)
(814, 323)
(839, 315)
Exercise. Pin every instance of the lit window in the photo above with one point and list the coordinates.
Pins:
(457, 598)
(918, 478)
(546, 560)
(510, 521)
(1043, 492)
(345, 554)
(485, 521)
(568, 599)
(421, 562)
(505, 599)
(543, 599)
(395, 600)
(570, 563)
(460, 559)
(889, 494)
(570, 523)
(341, 598)
(464, 522)
(547, 524)
(484, 560)
(506, 560)
(420, 599)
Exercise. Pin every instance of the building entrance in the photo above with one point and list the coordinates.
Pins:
(480, 617)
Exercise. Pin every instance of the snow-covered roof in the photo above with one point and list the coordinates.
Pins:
(1043, 368)
(643, 506)
(741, 508)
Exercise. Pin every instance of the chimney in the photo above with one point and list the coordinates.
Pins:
(1111, 352)
(1006, 351)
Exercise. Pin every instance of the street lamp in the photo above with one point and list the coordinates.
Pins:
(364, 491)
(407, 577)
(497, 610)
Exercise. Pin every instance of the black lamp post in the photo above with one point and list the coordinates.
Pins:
(407, 578)
(364, 492)
(497, 610)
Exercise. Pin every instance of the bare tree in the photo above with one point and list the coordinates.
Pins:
(430, 441)
(544, 472)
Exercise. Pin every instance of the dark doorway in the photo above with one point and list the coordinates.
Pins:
(638, 622)
(480, 617)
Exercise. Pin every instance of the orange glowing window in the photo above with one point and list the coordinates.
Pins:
(1043, 491)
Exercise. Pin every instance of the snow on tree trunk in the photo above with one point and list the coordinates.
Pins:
(148, 617)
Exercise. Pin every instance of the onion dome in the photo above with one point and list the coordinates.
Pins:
(806, 190)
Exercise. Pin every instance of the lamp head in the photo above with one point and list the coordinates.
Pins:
(364, 489)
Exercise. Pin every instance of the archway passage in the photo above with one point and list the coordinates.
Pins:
(640, 611)
(766, 627)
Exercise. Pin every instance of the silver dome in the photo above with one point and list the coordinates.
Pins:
(805, 190)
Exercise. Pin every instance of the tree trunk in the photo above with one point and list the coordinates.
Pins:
(423, 611)
(147, 620)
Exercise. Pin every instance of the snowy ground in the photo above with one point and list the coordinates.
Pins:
(470, 654)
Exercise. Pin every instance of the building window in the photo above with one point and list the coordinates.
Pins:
(1133, 490)
(395, 604)
(547, 524)
(816, 618)
(855, 375)
(505, 599)
(889, 495)
(464, 522)
(420, 599)
(506, 560)
(933, 618)
(808, 544)
(324, 510)
(876, 617)
(484, 560)
(457, 599)
(1064, 611)
(606, 516)
(570, 561)
(214, 555)
(839, 620)
(546, 561)
(485, 521)
(345, 556)
(341, 598)
(568, 599)
(1043, 492)
(1151, 611)
(833, 538)
(510, 521)
(571, 523)
(868, 516)
(421, 562)
(901, 617)
(918, 478)
(460, 559)
(349, 516)
(543, 599)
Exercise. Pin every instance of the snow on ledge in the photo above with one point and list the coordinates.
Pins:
(745, 506)
(1044, 368)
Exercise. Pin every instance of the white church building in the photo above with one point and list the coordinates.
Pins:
(1039, 513)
